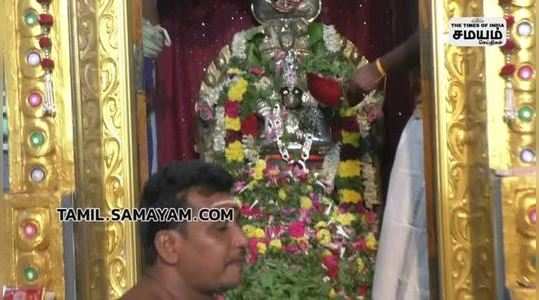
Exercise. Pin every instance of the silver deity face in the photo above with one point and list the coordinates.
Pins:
(285, 6)
(267, 10)
(291, 97)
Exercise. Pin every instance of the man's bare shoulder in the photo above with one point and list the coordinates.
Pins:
(140, 292)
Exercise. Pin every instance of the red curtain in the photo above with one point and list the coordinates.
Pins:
(200, 28)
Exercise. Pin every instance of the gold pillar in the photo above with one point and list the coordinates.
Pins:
(457, 168)
(107, 257)
(37, 142)
(88, 146)
(507, 140)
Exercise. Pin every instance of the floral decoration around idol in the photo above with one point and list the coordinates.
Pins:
(311, 227)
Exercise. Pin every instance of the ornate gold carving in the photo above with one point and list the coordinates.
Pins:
(468, 207)
(107, 172)
(518, 196)
(458, 120)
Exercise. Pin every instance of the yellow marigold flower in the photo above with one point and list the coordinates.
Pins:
(277, 244)
(360, 264)
(261, 247)
(349, 196)
(326, 252)
(345, 218)
(321, 224)
(233, 71)
(259, 233)
(349, 168)
(234, 152)
(237, 90)
(350, 138)
(372, 244)
(233, 124)
(306, 202)
(259, 169)
(347, 112)
(249, 230)
(282, 194)
(324, 237)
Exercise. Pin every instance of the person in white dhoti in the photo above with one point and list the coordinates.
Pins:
(401, 271)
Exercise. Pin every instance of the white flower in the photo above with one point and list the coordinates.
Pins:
(239, 45)
(331, 163)
(211, 96)
(368, 175)
(219, 133)
(263, 83)
(332, 40)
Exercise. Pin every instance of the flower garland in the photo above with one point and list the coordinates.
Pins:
(508, 70)
(46, 21)
(234, 151)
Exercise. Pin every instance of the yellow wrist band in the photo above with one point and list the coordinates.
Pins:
(380, 68)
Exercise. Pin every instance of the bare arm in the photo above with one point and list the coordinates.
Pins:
(404, 56)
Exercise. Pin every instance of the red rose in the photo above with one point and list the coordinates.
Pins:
(292, 249)
(45, 20)
(296, 229)
(509, 20)
(257, 71)
(45, 42)
(47, 64)
(249, 126)
(507, 70)
(509, 46)
(232, 136)
(232, 109)
(253, 250)
(331, 263)
(360, 245)
(247, 211)
(371, 217)
(363, 290)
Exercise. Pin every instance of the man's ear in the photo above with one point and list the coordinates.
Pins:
(167, 244)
